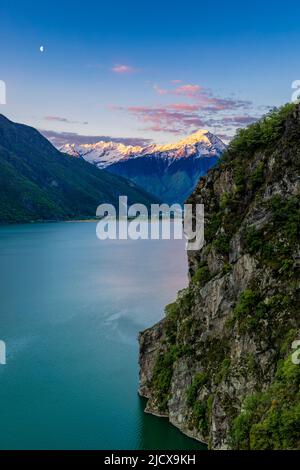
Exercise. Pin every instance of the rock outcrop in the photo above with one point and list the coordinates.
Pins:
(219, 364)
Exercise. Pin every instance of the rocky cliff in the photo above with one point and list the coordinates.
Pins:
(219, 364)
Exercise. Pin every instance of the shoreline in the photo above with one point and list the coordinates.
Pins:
(166, 416)
(48, 221)
(88, 219)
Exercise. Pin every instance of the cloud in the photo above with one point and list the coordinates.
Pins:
(240, 120)
(184, 90)
(266, 108)
(183, 107)
(60, 138)
(203, 97)
(170, 118)
(180, 118)
(236, 121)
(225, 104)
(187, 90)
(160, 128)
(226, 138)
(197, 107)
(63, 119)
(123, 69)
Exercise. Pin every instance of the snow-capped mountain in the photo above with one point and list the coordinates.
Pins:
(169, 171)
(104, 154)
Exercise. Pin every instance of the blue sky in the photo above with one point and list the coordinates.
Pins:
(146, 70)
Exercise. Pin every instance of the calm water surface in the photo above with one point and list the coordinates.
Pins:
(70, 311)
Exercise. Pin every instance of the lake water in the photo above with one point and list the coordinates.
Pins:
(71, 307)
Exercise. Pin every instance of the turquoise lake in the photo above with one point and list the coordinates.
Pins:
(71, 307)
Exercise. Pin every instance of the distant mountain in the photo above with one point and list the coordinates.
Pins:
(37, 182)
(170, 171)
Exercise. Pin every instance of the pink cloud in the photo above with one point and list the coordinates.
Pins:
(123, 69)
(203, 97)
(160, 91)
(187, 90)
(183, 117)
(180, 118)
(165, 119)
(183, 107)
(184, 90)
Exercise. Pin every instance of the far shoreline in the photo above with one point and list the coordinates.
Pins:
(44, 221)
(53, 221)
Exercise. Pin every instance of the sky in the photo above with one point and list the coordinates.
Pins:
(145, 71)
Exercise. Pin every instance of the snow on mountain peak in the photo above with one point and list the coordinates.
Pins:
(201, 136)
(103, 154)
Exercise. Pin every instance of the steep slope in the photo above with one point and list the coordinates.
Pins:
(219, 364)
(169, 171)
(38, 182)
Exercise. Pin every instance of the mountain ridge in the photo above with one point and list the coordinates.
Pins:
(96, 152)
(37, 182)
(169, 171)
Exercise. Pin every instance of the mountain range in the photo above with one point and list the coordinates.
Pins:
(37, 182)
(170, 171)
(40, 182)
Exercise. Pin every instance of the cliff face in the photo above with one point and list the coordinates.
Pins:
(219, 364)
